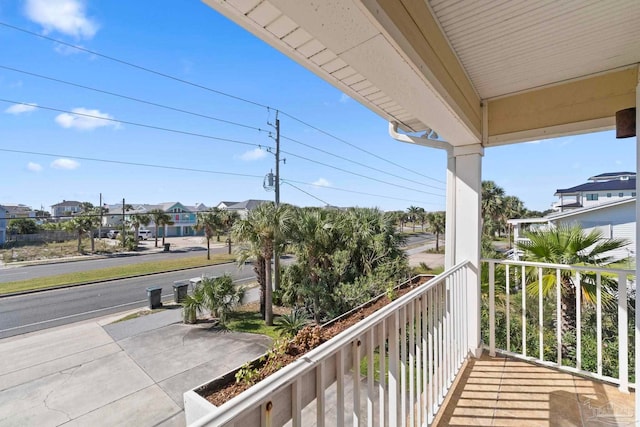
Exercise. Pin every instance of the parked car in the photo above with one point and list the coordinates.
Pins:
(144, 234)
(112, 234)
(101, 233)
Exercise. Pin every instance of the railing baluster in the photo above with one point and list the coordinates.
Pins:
(578, 287)
(432, 354)
(296, 403)
(540, 323)
(412, 363)
(599, 321)
(559, 315)
(523, 291)
(439, 375)
(492, 308)
(370, 374)
(340, 388)
(355, 376)
(419, 351)
(508, 302)
(403, 365)
(382, 355)
(394, 355)
(623, 331)
(320, 395)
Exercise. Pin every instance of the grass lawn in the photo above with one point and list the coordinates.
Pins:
(119, 272)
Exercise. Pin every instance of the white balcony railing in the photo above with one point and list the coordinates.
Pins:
(393, 368)
(526, 323)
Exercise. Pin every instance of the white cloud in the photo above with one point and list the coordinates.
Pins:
(321, 182)
(20, 108)
(67, 164)
(83, 122)
(34, 167)
(344, 98)
(255, 154)
(65, 16)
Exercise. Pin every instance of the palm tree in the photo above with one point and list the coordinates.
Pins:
(137, 221)
(160, 218)
(263, 226)
(436, 225)
(513, 208)
(413, 213)
(210, 223)
(569, 245)
(492, 201)
(81, 224)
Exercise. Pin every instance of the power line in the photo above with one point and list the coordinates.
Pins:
(359, 192)
(120, 162)
(359, 148)
(305, 192)
(155, 104)
(238, 98)
(360, 175)
(181, 132)
(130, 64)
(360, 164)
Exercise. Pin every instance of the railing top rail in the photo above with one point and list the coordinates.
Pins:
(559, 266)
(265, 388)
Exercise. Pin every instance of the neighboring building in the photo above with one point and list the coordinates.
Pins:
(65, 208)
(19, 211)
(3, 224)
(600, 189)
(184, 217)
(616, 220)
(243, 208)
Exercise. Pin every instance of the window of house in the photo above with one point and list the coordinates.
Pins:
(620, 194)
(608, 194)
(593, 196)
(633, 194)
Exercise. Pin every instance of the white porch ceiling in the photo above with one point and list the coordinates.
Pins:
(430, 63)
(509, 46)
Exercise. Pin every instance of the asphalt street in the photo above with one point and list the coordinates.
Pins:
(32, 312)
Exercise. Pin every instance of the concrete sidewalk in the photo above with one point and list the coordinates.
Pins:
(101, 374)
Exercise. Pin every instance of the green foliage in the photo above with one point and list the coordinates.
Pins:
(290, 324)
(22, 226)
(217, 295)
(247, 374)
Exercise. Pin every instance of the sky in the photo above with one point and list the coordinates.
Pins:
(191, 100)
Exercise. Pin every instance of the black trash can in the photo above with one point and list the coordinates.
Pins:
(166, 247)
(180, 291)
(154, 295)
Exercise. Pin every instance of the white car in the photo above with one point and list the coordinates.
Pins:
(144, 234)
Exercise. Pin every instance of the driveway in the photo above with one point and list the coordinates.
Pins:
(127, 373)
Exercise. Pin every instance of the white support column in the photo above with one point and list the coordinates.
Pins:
(637, 327)
(468, 186)
(450, 224)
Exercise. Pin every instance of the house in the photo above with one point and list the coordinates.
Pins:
(242, 208)
(184, 217)
(463, 77)
(615, 219)
(3, 224)
(65, 208)
(19, 211)
(600, 189)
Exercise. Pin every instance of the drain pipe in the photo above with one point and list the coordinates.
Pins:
(450, 232)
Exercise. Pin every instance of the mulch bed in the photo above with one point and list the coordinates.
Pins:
(306, 340)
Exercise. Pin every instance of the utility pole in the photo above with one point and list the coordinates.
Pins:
(100, 225)
(276, 251)
(123, 229)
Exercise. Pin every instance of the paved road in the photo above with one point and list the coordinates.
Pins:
(12, 274)
(26, 313)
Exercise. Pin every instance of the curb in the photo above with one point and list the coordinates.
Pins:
(74, 285)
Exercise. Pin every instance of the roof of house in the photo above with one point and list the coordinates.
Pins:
(66, 203)
(227, 203)
(557, 215)
(610, 175)
(612, 185)
(247, 204)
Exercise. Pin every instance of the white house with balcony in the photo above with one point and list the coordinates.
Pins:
(65, 208)
(603, 188)
(459, 76)
(183, 217)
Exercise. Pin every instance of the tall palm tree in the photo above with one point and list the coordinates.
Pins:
(413, 213)
(160, 218)
(137, 221)
(569, 245)
(513, 208)
(492, 202)
(210, 223)
(263, 226)
(81, 224)
(436, 225)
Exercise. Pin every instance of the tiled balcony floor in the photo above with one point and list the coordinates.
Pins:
(500, 391)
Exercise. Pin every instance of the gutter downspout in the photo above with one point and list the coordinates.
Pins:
(450, 232)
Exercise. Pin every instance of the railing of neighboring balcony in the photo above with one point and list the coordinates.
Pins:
(596, 333)
(393, 368)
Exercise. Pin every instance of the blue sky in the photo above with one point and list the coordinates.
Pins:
(190, 41)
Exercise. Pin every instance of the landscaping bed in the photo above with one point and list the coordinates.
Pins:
(224, 388)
